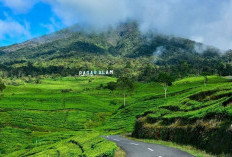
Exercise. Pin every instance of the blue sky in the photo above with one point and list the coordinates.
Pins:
(207, 21)
(27, 23)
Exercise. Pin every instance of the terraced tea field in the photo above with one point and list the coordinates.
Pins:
(39, 119)
(67, 116)
(200, 116)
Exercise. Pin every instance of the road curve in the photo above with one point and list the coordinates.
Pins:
(141, 149)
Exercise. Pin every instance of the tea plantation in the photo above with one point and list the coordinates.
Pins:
(201, 116)
(66, 116)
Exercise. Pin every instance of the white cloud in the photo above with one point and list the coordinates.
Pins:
(52, 26)
(207, 21)
(204, 21)
(91, 12)
(12, 29)
(19, 6)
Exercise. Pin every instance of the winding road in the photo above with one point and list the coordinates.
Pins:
(141, 149)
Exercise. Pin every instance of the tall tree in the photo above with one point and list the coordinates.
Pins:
(2, 86)
(126, 85)
(166, 80)
(205, 78)
(64, 92)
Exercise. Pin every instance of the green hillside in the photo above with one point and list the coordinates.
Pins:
(200, 116)
(39, 119)
(123, 48)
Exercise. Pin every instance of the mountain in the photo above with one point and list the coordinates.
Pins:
(124, 45)
(125, 40)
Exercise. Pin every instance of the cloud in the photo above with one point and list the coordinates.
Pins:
(159, 51)
(12, 30)
(19, 6)
(92, 13)
(52, 26)
(205, 21)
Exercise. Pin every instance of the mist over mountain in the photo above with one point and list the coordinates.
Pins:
(126, 39)
(202, 21)
(122, 47)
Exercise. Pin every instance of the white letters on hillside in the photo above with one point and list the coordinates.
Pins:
(95, 72)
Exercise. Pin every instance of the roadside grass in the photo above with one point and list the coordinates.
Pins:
(120, 153)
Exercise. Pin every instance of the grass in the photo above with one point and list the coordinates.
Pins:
(120, 153)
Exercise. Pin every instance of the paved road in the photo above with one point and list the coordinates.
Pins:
(229, 77)
(141, 149)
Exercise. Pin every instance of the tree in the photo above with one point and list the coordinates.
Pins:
(166, 80)
(126, 85)
(64, 91)
(205, 78)
(111, 86)
(148, 73)
(2, 86)
(184, 68)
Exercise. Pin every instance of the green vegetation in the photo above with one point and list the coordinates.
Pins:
(125, 49)
(46, 109)
(2, 86)
(125, 85)
(61, 114)
(200, 116)
(67, 144)
(166, 81)
(120, 153)
(35, 122)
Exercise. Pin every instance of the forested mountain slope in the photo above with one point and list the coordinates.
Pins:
(124, 46)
